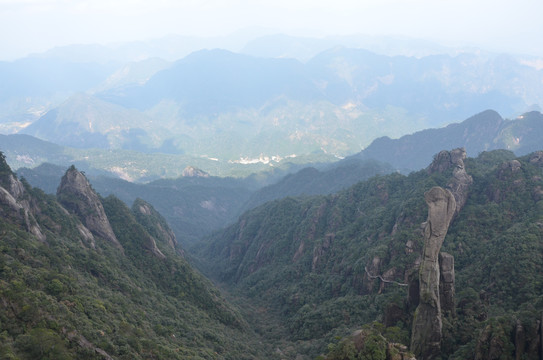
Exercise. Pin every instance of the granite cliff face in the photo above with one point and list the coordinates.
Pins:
(446, 283)
(155, 224)
(427, 324)
(12, 195)
(77, 196)
(460, 181)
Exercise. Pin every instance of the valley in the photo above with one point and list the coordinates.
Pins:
(336, 203)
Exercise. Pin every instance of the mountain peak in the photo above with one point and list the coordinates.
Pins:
(191, 171)
(77, 195)
(460, 181)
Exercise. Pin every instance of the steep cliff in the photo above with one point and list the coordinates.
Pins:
(156, 225)
(322, 266)
(15, 203)
(63, 299)
(427, 323)
(460, 180)
(78, 197)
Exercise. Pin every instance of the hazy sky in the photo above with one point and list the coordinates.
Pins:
(28, 26)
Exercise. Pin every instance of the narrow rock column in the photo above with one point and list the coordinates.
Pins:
(446, 285)
(427, 325)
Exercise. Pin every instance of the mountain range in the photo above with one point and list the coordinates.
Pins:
(304, 271)
(276, 198)
(241, 105)
(197, 203)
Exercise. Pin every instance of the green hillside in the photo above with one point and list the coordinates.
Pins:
(67, 292)
(311, 264)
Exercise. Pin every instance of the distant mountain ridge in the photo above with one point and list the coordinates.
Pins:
(482, 132)
(195, 206)
(84, 121)
(233, 106)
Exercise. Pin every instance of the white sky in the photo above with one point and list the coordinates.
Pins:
(28, 26)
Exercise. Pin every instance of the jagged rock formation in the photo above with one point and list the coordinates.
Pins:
(18, 206)
(460, 182)
(491, 343)
(427, 325)
(154, 223)
(77, 196)
(12, 194)
(150, 245)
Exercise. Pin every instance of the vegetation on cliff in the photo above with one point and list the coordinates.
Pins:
(314, 262)
(64, 298)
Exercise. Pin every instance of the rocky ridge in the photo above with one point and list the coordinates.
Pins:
(77, 196)
(146, 214)
(12, 194)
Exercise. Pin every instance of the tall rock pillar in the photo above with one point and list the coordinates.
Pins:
(427, 325)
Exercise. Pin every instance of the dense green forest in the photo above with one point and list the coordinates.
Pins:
(75, 295)
(311, 263)
(306, 277)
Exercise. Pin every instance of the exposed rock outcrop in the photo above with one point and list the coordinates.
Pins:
(446, 283)
(77, 196)
(12, 194)
(508, 168)
(86, 344)
(371, 270)
(427, 324)
(460, 181)
(191, 171)
(491, 343)
(536, 158)
(150, 245)
(155, 224)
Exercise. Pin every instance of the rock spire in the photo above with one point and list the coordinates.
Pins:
(427, 324)
(78, 197)
(460, 181)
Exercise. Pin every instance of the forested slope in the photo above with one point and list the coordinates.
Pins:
(71, 288)
(313, 263)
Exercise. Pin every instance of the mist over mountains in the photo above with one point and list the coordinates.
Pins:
(291, 171)
(333, 97)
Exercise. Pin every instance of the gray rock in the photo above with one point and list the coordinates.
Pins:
(167, 235)
(427, 325)
(460, 181)
(13, 197)
(446, 284)
(77, 196)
